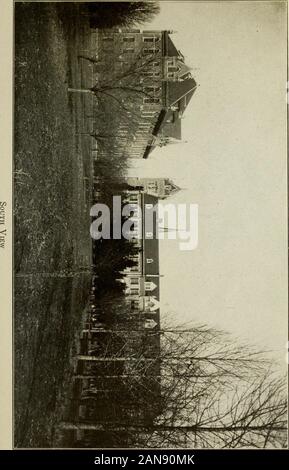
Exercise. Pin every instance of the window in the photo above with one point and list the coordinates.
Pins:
(151, 100)
(149, 114)
(134, 291)
(152, 89)
(107, 38)
(132, 198)
(150, 51)
(151, 39)
(133, 206)
(170, 75)
(172, 69)
(148, 286)
(128, 50)
(149, 89)
(134, 280)
(134, 268)
(134, 257)
(148, 74)
(128, 39)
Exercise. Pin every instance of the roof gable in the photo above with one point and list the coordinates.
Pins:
(183, 69)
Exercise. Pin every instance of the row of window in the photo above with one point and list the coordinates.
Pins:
(157, 73)
(152, 89)
(128, 64)
(148, 100)
(151, 73)
(150, 39)
(148, 235)
(131, 50)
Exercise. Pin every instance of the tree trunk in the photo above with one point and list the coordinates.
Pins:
(82, 357)
(80, 90)
(162, 428)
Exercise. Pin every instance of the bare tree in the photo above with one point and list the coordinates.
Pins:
(124, 84)
(200, 390)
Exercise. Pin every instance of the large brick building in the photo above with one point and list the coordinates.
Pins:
(143, 279)
(153, 85)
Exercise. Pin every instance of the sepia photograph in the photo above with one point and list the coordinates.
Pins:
(150, 251)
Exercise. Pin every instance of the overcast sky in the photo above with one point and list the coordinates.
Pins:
(233, 166)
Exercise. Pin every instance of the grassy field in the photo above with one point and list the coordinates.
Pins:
(53, 172)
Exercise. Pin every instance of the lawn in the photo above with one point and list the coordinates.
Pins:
(52, 198)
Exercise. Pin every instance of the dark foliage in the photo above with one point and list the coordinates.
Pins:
(126, 14)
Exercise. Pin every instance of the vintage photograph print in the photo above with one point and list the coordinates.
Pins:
(150, 265)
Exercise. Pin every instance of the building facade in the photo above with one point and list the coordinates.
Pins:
(143, 278)
(148, 76)
(158, 187)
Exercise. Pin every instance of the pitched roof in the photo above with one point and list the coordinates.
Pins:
(177, 90)
(173, 129)
(188, 97)
(169, 129)
(151, 245)
(174, 187)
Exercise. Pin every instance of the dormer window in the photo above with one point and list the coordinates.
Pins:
(149, 286)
